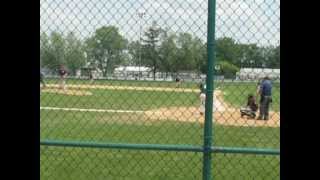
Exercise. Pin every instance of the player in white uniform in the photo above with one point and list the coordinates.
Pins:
(202, 98)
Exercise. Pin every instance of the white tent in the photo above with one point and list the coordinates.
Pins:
(131, 71)
(258, 73)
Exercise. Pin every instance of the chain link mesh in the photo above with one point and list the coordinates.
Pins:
(133, 71)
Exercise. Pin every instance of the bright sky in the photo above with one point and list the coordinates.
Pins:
(247, 21)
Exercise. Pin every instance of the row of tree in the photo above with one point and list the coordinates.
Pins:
(159, 49)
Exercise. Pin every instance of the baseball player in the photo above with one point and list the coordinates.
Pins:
(91, 77)
(63, 73)
(178, 82)
(202, 98)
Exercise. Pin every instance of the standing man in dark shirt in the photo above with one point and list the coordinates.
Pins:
(265, 98)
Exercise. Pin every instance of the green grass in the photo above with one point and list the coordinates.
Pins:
(86, 164)
(141, 83)
(73, 163)
(235, 93)
(83, 164)
(130, 128)
(121, 99)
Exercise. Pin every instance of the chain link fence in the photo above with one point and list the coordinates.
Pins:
(123, 89)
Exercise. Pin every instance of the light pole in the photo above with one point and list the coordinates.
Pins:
(141, 13)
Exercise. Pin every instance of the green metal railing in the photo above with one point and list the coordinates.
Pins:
(160, 147)
(122, 128)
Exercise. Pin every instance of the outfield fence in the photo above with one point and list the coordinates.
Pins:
(188, 117)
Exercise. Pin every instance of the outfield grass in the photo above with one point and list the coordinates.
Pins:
(82, 164)
(139, 83)
(236, 93)
(121, 99)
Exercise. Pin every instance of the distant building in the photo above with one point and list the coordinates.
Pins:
(132, 72)
(258, 73)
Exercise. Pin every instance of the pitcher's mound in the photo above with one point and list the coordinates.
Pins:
(72, 92)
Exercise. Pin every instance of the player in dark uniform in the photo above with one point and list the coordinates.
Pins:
(91, 77)
(251, 108)
(63, 73)
(178, 82)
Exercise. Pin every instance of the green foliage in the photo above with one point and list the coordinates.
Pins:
(57, 49)
(150, 55)
(74, 57)
(53, 50)
(105, 48)
(247, 55)
(159, 49)
(227, 69)
(134, 52)
(226, 49)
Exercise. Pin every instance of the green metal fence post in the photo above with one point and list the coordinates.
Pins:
(209, 94)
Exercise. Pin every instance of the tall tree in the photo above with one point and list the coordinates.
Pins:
(151, 48)
(53, 50)
(275, 58)
(203, 64)
(250, 55)
(44, 47)
(135, 52)
(191, 54)
(227, 50)
(199, 51)
(105, 48)
(75, 58)
(168, 52)
(185, 54)
(227, 69)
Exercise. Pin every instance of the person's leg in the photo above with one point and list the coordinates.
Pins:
(202, 103)
(264, 105)
(266, 112)
(62, 83)
(261, 109)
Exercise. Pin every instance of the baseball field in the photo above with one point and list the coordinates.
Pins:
(152, 113)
